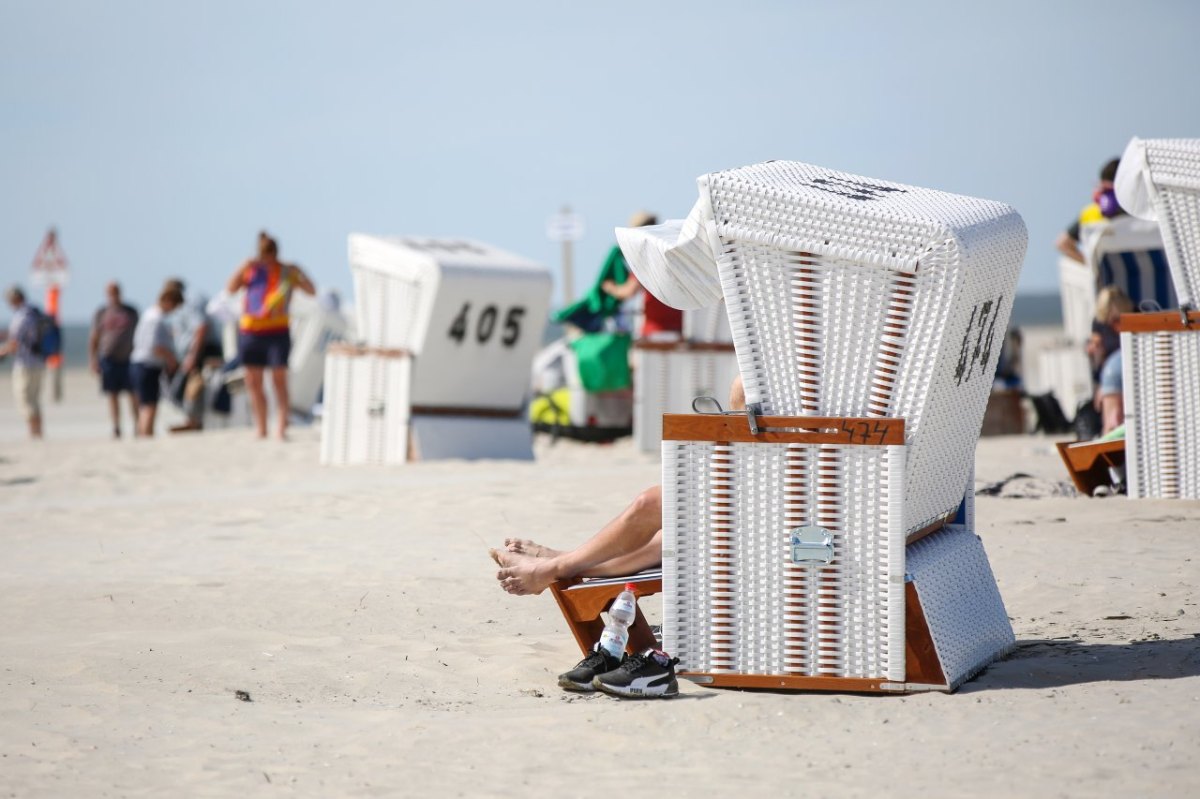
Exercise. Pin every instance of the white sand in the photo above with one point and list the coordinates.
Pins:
(143, 583)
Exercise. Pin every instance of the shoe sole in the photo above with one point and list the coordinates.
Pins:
(611, 690)
(578, 687)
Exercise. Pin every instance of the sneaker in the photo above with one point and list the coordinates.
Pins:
(648, 675)
(580, 678)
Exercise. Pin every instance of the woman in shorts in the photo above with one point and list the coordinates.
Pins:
(153, 351)
(264, 341)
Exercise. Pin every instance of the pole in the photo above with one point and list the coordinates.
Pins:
(567, 265)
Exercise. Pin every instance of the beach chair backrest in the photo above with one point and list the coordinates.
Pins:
(1160, 178)
(850, 296)
(1128, 253)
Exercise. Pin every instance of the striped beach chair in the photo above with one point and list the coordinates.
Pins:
(823, 541)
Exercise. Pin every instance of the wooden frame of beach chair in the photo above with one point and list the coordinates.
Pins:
(1161, 354)
(582, 600)
(786, 564)
(1090, 463)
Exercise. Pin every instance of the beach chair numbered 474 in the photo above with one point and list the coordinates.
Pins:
(811, 543)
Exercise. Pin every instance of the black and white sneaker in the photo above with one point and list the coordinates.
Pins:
(648, 675)
(580, 678)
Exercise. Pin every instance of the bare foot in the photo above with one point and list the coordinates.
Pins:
(523, 546)
(522, 574)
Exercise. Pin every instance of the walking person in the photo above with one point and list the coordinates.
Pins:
(264, 340)
(110, 346)
(29, 362)
(153, 352)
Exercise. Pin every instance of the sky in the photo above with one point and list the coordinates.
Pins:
(160, 137)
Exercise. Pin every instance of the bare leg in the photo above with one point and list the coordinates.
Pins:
(146, 414)
(624, 536)
(114, 410)
(1112, 412)
(258, 400)
(279, 381)
(135, 409)
(35, 426)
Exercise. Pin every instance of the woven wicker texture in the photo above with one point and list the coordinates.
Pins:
(366, 408)
(1162, 414)
(666, 381)
(1168, 172)
(962, 604)
(734, 600)
(707, 324)
(851, 296)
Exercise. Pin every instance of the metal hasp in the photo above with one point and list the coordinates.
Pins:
(812, 546)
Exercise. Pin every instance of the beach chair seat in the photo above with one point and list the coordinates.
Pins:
(582, 600)
(1093, 464)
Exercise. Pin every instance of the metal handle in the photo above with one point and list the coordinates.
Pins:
(812, 546)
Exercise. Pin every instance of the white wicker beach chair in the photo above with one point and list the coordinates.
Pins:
(808, 547)
(470, 317)
(1128, 253)
(668, 376)
(1160, 179)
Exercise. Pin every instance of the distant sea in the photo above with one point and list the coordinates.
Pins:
(1029, 310)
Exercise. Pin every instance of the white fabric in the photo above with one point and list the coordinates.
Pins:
(1134, 189)
(674, 261)
(152, 332)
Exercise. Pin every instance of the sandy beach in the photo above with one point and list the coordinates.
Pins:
(144, 583)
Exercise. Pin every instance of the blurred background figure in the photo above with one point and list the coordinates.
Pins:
(1104, 353)
(197, 338)
(1103, 206)
(110, 346)
(153, 354)
(24, 343)
(264, 339)
(658, 320)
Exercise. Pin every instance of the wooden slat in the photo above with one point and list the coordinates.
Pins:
(800, 429)
(684, 346)
(1088, 462)
(1158, 322)
(921, 663)
(357, 350)
(786, 682)
(482, 413)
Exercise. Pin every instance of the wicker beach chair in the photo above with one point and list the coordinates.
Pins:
(1159, 179)
(867, 319)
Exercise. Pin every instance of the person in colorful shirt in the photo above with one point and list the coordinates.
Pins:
(264, 340)
(29, 364)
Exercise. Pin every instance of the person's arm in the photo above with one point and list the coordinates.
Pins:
(94, 344)
(1069, 247)
(622, 291)
(235, 283)
(192, 358)
(302, 281)
(164, 346)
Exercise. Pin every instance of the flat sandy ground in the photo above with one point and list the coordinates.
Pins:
(143, 583)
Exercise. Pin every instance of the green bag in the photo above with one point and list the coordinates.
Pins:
(603, 361)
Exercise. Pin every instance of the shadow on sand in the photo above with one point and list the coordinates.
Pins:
(1057, 663)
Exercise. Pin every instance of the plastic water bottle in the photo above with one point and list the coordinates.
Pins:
(620, 616)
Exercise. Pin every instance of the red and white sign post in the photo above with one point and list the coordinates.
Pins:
(50, 269)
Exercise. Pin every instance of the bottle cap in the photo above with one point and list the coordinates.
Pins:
(631, 587)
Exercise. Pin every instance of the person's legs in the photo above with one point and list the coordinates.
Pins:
(258, 400)
(627, 542)
(279, 381)
(27, 385)
(114, 411)
(146, 414)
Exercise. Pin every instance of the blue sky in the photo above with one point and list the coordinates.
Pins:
(161, 136)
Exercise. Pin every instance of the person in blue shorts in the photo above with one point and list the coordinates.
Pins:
(109, 348)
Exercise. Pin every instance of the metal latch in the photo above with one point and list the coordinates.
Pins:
(752, 412)
(812, 546)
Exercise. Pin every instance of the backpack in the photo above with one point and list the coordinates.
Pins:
(44, 337)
